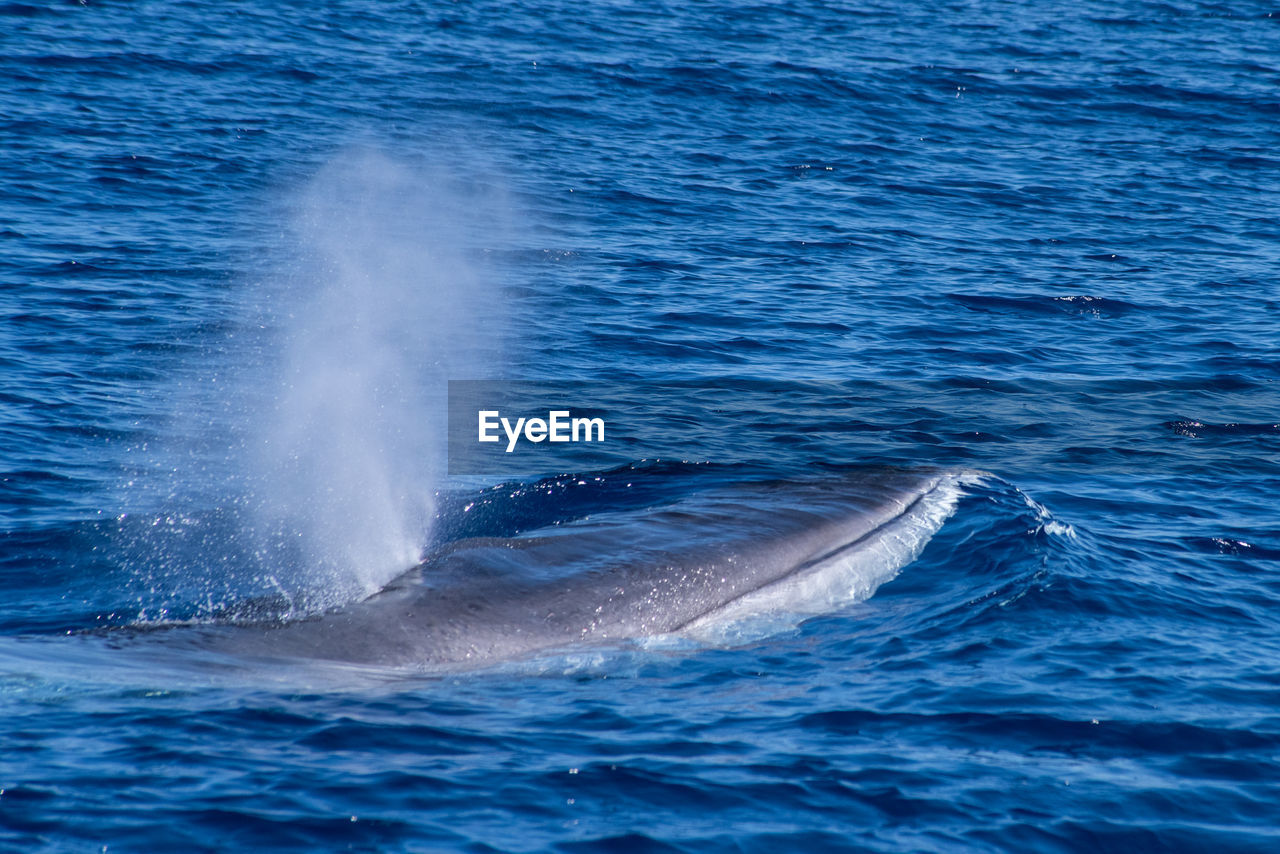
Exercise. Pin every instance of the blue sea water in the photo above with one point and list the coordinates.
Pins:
(243, 246)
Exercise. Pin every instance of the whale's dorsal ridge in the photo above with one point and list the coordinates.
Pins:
(718, 554)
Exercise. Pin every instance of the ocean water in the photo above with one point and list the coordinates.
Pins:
(243, 248)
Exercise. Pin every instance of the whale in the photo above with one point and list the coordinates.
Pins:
(717, 557)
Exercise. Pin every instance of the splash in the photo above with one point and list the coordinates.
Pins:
(385, 301)
(297, 466)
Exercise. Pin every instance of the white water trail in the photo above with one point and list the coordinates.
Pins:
(386, 303)
(851, 576)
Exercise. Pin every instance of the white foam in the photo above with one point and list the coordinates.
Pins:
(1045, 520)
(851, 576)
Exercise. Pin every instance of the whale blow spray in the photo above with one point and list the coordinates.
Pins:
(384, 302)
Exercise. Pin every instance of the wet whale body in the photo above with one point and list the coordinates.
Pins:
(722, 555)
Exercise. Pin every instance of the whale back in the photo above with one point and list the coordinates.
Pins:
(613, 576)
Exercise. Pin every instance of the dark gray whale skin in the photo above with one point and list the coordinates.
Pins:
(603, 579)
